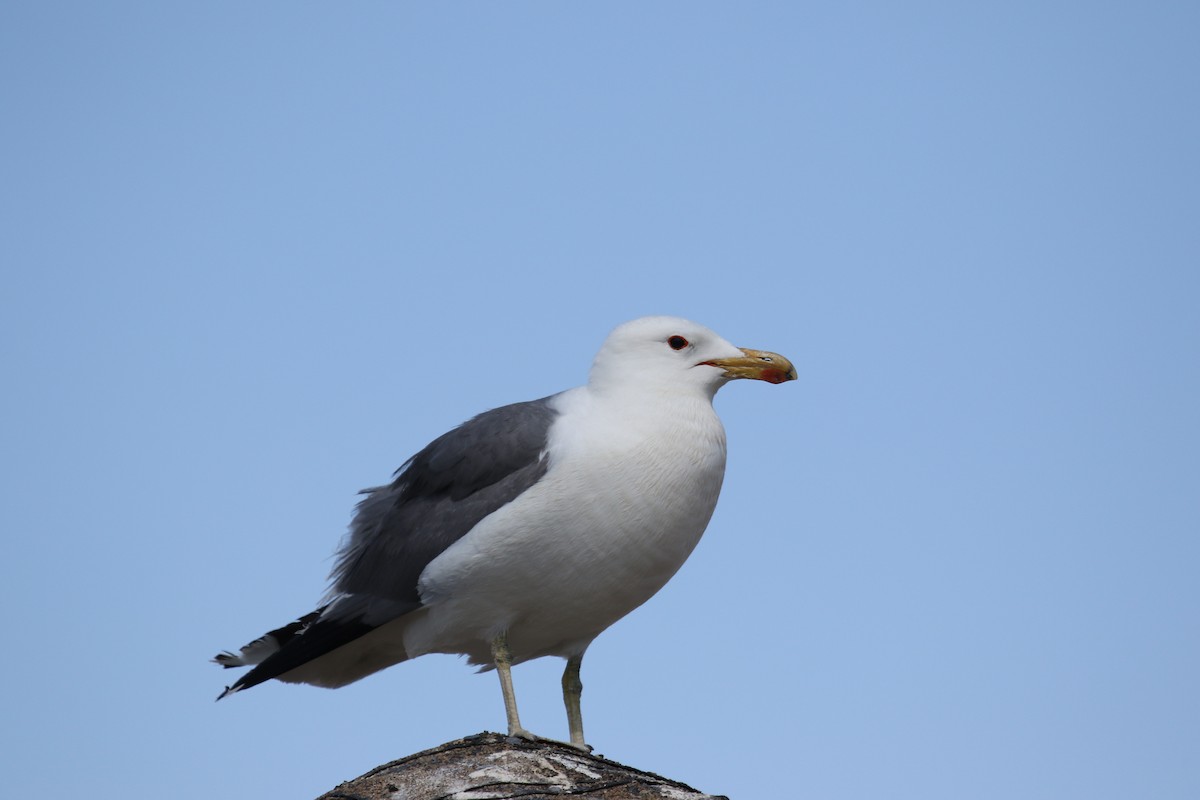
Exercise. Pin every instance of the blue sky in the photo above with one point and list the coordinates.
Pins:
(256, 255)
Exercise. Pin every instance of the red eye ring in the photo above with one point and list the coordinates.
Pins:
(677, 342)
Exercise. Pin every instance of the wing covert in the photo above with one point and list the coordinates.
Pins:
(438, 495)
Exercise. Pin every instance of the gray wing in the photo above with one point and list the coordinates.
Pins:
(438, 496)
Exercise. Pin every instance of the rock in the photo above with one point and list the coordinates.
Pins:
(490, 766)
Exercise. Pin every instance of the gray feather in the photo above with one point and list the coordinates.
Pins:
(439, 495)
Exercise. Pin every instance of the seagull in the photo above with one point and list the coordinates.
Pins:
(530, 529)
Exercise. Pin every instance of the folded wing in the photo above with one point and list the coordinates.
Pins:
(439, 495)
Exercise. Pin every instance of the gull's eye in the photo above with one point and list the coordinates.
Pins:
(677, 342)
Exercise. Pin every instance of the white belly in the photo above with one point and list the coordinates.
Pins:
(621, 507)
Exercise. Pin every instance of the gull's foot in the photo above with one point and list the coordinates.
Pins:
(521, 733)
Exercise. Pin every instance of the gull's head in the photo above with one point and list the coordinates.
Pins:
(673, 354)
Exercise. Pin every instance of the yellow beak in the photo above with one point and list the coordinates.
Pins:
(759, 365)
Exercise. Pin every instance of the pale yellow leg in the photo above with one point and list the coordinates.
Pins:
(503, 659)
(572, 691)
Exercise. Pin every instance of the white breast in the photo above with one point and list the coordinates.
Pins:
(630, 489)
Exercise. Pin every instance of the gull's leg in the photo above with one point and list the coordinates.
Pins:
(572, 690)
(503, 659)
